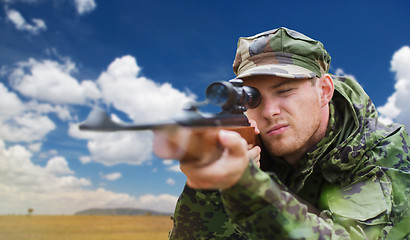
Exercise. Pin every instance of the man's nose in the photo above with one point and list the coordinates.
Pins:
(270, 109)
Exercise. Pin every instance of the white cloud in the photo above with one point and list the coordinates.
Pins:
(85, 159)
(22, 181)
(389, 110)
(111, 176)
(400, 63)
(110, 148)
(35, 147)
(170, 181)
(141, 98)
(62, 111)
(58, 166)
(48, 154)
(26, 121)
(173, 165)
(52, 88)
(52, 81)
(84, 6)
(10, 104)
(45, 189)
(49, 87)
(167, 161)
(20, 23)
(26, 127)
(396, 108)
(174, 168)
(341, 72)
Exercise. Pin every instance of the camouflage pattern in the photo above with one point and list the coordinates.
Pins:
(280, 52)
(358, 177)
(200, 214)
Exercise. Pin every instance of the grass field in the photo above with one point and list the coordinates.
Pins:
(84, 227)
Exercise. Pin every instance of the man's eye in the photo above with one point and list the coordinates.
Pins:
(284, 91)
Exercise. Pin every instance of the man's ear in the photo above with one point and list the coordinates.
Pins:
(327, 89)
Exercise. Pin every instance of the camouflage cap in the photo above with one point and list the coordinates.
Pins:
(280, 52)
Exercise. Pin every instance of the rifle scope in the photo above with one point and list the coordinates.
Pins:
(232, 96)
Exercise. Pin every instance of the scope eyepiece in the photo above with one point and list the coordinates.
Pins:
(233, 96)
(254, 97)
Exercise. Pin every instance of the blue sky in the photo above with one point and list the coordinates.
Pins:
(141, 60)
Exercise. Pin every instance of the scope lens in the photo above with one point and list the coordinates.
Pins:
(217, 93)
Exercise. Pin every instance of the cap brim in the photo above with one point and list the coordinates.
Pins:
(279, 70)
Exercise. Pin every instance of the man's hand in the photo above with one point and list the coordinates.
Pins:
(223, 172)
(211, 159)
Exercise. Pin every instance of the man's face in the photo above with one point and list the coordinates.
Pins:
(289, 115)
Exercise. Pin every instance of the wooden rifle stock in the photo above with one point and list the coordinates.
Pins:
(195, 143)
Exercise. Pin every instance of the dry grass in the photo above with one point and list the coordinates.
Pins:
(84, 227)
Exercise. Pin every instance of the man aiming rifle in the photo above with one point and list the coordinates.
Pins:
(325, 168)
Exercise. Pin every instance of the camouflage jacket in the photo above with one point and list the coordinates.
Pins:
(357, 177)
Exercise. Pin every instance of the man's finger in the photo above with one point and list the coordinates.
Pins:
(255, 155)
(233, 142)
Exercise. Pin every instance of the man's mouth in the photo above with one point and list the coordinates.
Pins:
(277, 129)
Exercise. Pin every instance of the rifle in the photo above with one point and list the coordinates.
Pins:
(191, 133)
